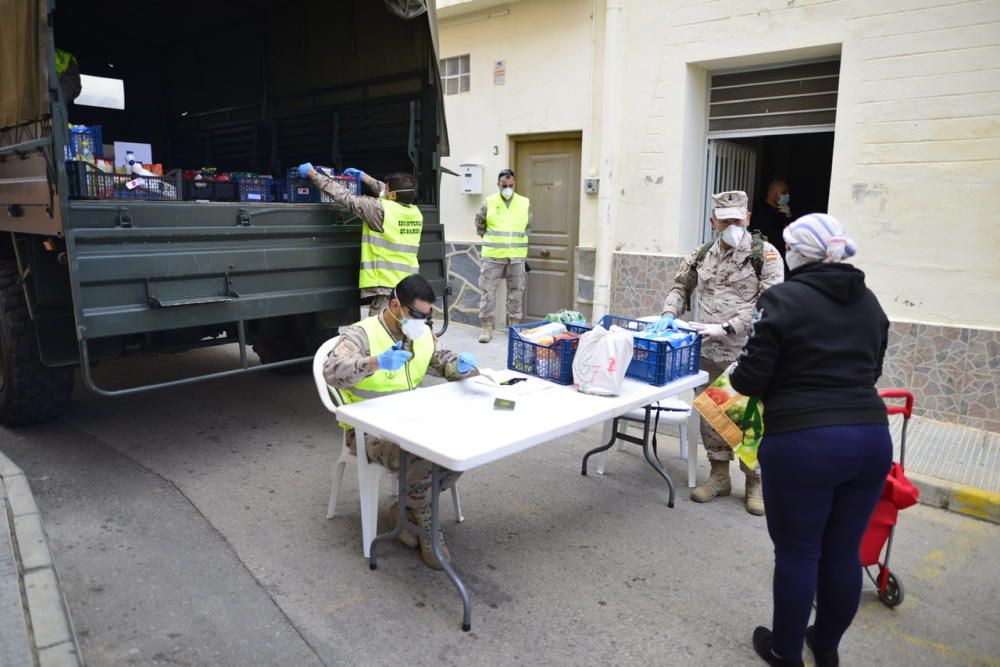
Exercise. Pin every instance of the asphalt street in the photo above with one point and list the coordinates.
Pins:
(188, 528)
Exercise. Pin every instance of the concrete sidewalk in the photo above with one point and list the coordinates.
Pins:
(35, 626)
(955, 467)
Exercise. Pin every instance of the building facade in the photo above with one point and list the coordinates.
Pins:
(621, 115)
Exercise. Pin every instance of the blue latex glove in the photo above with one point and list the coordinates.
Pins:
(356, 173)
(394, 358)
(304, 169)
(466, 362)
(665, 322)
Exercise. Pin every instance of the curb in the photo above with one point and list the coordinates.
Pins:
(958, 498)
(48, 628)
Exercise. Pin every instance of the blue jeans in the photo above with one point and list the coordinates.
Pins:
(820, 489)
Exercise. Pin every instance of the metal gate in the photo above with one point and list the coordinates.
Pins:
(731, 166)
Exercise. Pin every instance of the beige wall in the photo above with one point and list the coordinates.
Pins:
(547, 46)
(916, 167)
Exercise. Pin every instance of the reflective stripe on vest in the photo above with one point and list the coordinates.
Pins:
(505, 227)
(390, 255)
(382, 382)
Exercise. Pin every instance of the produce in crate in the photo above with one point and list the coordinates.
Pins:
(738, 419)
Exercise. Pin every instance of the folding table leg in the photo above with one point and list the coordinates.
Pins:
(655, 462)
(402, 520)
(436, 548)
(602, 448)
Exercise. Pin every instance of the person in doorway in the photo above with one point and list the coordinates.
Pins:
(772, 215)
(390, 353)
(730, 273)
(813, 356)
(503, 221)
(390, 238)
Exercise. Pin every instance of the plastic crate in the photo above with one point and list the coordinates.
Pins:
(88, 182)
(255, 188)
(210, 190)
(554, 363)
(85, 139)
(655, 362)
(300, 190)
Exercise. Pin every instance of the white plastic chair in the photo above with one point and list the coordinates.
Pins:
(678, 414)
(369, 474)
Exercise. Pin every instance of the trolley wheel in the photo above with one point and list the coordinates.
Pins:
(893, 594)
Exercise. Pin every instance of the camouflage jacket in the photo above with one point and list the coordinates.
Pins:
(728, 289)
(350, 359)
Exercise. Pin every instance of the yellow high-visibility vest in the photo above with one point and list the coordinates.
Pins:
(506, 235)
(390, 255)
(383, 382)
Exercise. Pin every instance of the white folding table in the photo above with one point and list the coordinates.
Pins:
(456, 427)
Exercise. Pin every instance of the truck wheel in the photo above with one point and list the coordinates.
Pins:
(29, 391)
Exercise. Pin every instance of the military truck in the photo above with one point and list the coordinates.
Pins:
(248, 86)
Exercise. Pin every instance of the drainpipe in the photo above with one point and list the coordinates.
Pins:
(610, 147)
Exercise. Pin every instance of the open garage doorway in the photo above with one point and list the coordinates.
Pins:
(773, 124)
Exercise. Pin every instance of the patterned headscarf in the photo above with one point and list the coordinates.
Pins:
(820, 237)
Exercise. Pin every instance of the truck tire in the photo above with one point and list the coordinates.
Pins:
(30, 392)
(297, 344)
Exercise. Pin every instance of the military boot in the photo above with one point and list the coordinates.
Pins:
(487, 333)
(423, 519)
(755, 496)
(717, 484)
(511, 321)
(406, 537)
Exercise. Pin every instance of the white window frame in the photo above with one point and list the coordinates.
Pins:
(460, 75)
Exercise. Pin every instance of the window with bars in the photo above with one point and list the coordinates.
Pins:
(455, 75)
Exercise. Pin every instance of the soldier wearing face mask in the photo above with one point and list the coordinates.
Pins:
(390, 353)
(503, 221)
(730, 273)
(390, 238)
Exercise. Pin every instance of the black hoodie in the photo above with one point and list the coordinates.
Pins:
(815, 350)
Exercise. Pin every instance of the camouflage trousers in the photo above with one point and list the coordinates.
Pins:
(716, 448)
(418, 470)
(490, 276)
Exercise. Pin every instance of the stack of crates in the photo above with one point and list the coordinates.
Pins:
(301, 190)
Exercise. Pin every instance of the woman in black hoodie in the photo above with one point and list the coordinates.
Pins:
(813, 355)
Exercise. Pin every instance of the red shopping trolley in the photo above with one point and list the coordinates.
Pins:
(898, 494)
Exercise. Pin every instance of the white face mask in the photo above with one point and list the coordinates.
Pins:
(507, 193)
(795, 260)
(413, 329)
(733, 235)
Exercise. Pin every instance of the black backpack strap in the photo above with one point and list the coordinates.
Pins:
(691, 279)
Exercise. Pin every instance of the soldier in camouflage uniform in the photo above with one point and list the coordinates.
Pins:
(503, 221)
(354, 359)
(397, 187)
(730, 274)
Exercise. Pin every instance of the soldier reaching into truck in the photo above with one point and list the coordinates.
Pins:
(390, 237)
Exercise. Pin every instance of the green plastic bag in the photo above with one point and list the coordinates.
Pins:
(738, 419)
(566, 317)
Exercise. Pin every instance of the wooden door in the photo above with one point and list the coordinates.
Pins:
(548, 172)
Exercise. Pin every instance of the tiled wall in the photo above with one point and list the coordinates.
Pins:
(464, 261)
(954, 372)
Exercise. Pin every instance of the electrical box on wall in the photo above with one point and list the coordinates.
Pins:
(470, 181)
(591, 186)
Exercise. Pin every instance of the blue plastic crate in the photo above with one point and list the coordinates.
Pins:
(88, 182)
(654, 361)
(83, 139)
(553, 363)
(255, 188)
(300, 190)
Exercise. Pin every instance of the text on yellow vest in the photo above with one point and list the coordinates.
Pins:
(390, 255)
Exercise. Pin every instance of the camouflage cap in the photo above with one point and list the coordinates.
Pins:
(730, 205)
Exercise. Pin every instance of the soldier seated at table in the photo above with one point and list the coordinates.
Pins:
(389, 353)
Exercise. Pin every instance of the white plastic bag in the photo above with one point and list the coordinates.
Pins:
(602, 357)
